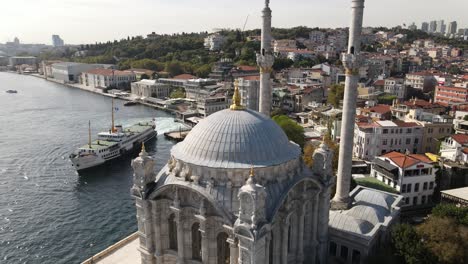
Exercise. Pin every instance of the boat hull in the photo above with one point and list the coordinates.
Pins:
(83, 164)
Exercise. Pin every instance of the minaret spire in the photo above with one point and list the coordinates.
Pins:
(351, 62)
(265, 61)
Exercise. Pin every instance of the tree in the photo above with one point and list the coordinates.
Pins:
(293, 130)
(174, 68)
(144, 76)
(308, 155)
(203, 71)
(454, 70)
(282, 63)
(335, 95)
(465, 118)
(445, 239)
(408, 245)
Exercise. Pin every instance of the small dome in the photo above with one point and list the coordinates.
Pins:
(236, 139)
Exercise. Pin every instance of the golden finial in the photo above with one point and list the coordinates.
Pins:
(251, 179)
(236, 104)
(143, 147)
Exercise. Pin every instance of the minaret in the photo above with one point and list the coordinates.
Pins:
(265, 61)
(351, 62)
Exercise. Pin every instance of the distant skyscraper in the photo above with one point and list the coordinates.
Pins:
(16, 41)
(412, 26)
(440, 28)
(432, 26)
(57, 41)
(425, 27)
(452, 28)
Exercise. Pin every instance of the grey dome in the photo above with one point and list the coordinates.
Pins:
(236, 139)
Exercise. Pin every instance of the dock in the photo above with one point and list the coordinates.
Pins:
(178, 135)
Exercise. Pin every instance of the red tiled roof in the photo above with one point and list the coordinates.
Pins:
(405, 161)
(381, 109)
(252, 78)
(185, 76)
(379, 82)
(400, 123)
(460, 138)
(465, 150)
(107, 72)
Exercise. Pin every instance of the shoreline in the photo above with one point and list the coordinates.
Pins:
(98, 91)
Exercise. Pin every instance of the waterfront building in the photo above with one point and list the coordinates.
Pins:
(199, 89)
(57, 41)
(177, 81)
(46, 68)
(450, 96)
(150, 88)
(70, 72)
(142, 72)
(20, 60)
(412, 175)
(380, 137)
(460, 122)
(107, 78)
(212, 104)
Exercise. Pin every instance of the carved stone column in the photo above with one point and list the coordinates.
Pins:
(180, 238)
(157, 232)
(234, 251)
(284, 242)
(267, 249)
(322, 234)
(300, 235)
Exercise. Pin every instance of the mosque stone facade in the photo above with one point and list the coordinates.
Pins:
(237, 191)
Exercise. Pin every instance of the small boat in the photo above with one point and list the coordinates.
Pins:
(11, 91)
(130, 103)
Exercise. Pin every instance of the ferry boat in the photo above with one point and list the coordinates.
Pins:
(112, 144)
(11, 91)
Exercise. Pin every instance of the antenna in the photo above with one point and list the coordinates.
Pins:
(245, 23)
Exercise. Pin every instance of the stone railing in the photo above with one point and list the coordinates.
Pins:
(106, 252)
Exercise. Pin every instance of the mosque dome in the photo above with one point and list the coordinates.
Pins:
(236, 139)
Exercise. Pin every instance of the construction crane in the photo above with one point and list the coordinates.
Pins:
(245, 23)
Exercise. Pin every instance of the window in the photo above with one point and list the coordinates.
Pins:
(408, 131)
(172, 232)
(423, 199)
(384, 142)
(415, 200)
(431, 185)
(403, 188)
(416, 187)
(344, 252)
(407, 200)
(408, 141)
(408, 187)
(416, 140)
(385, 131)
(196, 242)
(332, 249)
(425, 186)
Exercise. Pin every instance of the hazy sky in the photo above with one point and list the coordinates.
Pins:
(87, 21)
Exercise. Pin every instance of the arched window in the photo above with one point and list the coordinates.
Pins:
(196, 242)
(223, 248)
(289, 238)
(172, 232)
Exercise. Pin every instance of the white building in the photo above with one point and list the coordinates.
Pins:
(214, 42)
(19, 60)
(455, 148)
(396, 87)
(70, 72)
(150, 88)
(413, 176)
(380, 137)
(317, 36)
(105, 78)
(249, 87)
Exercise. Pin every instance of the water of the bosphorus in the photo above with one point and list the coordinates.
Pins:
(48, 213)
